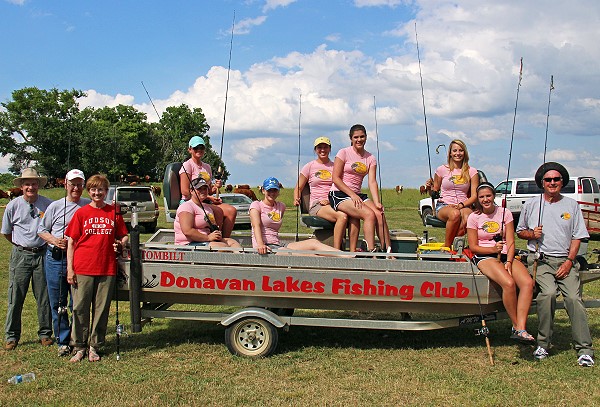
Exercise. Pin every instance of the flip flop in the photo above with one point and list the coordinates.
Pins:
(78, 356)
(93, 355)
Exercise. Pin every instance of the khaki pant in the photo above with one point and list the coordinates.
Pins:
(570, 288)
(93, 292)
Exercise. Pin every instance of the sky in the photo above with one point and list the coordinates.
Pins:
(301, 69)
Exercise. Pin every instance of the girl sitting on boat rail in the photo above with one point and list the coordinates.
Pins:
(490, 231)
(266, 217)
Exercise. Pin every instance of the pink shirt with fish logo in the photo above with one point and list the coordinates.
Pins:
(355, 168)
(270, 218)
(489, 225)
(454, 188)
(319, 178)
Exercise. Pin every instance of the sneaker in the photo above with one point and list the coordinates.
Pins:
(585, 361)
(540, 353)
(10, 345)
(64, 350)
(46, 341)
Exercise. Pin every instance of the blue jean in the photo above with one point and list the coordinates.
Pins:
(58, 293)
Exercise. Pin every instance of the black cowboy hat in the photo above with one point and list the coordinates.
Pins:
(549, 166)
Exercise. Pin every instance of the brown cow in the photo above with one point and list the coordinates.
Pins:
(242, 186)
(228, 188)
(399, 189)
(157, 190)
(14, 192)
(246, 191)
(4, 194)
(424, 190)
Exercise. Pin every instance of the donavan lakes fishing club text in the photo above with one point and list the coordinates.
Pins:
(336, 286)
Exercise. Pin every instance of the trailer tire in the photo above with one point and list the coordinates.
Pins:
(251, 337)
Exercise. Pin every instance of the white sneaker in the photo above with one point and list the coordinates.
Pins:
(64, 350)
(540, 353)
(585, 361)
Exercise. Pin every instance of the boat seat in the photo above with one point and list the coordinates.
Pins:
(171, 190)
(323, 229)
(435, 222)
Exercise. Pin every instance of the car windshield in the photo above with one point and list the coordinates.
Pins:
(138, 195)
(236, 199)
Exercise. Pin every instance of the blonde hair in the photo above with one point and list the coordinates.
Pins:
(465, 163)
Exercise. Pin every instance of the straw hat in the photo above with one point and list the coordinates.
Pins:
(30, 173)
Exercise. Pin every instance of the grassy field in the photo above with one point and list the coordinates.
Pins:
(187, 363)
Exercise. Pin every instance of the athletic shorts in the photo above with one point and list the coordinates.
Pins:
(477, 259)
(337, 197)
(315, 208)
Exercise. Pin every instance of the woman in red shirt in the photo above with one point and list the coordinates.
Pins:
(95, 235)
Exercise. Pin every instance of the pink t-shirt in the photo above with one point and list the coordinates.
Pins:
(454, 188)
(194, 170)
(271, 218)
(319, 178)
(355, 168)
(489, 225)
(200, 222)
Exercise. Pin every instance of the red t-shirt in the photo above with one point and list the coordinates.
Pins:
(93, 231)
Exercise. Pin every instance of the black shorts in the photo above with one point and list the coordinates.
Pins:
(337, 197)
(476, 259)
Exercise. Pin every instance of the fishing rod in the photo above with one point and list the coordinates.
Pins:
(219, 173)
(298, 169)
(512, 136)
(425, 117)
(537, 242)
(383, 228)
(484, 330)
(151, 102)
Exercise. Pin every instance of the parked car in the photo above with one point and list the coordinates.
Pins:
(242, 204)
(518, 190)
(425, 208)
(145, 199)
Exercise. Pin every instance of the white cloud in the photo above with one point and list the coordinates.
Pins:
(97, 100)
(17, 2)
(245, 26)
(273, 4)
(380, 3)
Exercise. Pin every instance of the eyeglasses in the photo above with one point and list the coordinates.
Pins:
(555, 179)
(78, 185)
(32, 211)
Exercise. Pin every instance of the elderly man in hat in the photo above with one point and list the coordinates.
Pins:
(553, 226)
(52, 230)
(20, 225)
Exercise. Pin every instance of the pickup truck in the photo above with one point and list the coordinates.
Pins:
(519, 190)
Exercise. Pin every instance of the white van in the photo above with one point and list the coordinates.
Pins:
(518, 190)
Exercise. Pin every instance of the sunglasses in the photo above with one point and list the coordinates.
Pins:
(555, 179)
(200, 147)
(32, 212)
(78, 185)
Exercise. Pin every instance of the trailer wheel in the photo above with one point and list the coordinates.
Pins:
(252, 337)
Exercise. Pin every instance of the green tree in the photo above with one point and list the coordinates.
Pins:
(177, 125)
(36, 128)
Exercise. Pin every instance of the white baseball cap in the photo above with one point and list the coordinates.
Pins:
(74, 173)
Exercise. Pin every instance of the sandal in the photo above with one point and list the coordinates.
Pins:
(78, 356)
(522, 336)
(93, 355)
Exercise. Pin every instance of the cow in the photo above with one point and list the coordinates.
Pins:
(14, 192)
(4, 194)
(425, 190)
(157, 190)
(399, 189)
(228, 188)
(246, 191)
(242, 186)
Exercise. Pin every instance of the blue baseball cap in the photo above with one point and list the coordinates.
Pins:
(196, 141)
(271, 183)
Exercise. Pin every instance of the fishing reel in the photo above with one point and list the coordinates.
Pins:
(497, 237)
(121, 330)
(483, 331)
(212, 228)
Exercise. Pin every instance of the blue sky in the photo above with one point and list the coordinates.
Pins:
(339, 55)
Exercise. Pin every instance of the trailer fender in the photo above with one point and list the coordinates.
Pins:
(256, 313)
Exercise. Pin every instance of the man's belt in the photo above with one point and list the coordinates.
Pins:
(543, 255)
(32, 249)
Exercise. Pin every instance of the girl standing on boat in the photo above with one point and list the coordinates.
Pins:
(351, 165)
(266, 217)
(457, 183)
(490, 231)
(318, 175)
(194, 168)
